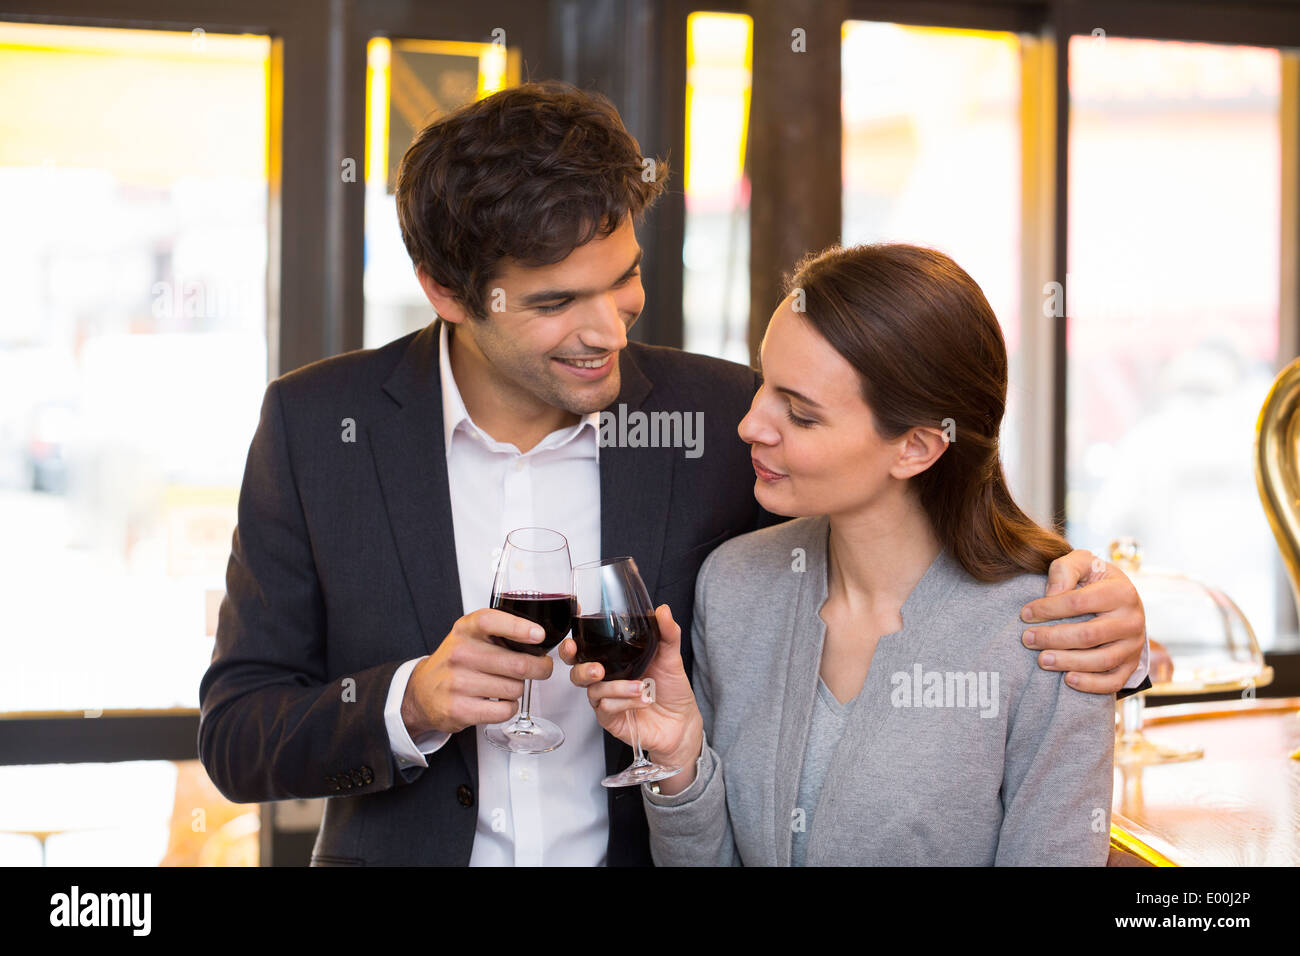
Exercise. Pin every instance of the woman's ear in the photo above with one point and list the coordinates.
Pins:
(919, 449)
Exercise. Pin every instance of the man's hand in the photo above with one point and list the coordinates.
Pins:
(453, 687)
(1100, 654)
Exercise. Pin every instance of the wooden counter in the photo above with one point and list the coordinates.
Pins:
(1237, 806)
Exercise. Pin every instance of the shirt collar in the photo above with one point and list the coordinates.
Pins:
(456, 417)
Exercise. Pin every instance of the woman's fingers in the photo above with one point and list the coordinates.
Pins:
(584, 675)
(669, 632)
(567, 651)
(613, 706)
(614, 690)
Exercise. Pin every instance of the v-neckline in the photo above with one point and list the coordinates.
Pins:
(803, 668)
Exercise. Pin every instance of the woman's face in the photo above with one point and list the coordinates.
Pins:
(813, 440)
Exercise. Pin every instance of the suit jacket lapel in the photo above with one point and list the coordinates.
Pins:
(411, 460)
(635, 487)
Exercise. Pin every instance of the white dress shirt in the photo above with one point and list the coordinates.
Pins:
(541, 809)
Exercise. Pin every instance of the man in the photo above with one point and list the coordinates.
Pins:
(353, 655)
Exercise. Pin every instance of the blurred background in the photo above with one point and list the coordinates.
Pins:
(196, 197)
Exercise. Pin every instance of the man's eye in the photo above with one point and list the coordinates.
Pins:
(627, 278)
(552, 309)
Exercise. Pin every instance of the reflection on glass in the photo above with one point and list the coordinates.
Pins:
(410, 83)
(133, 175)
(136, 813)
(715, 250)
(1211, 646)
(931, 156)
(1172, 295)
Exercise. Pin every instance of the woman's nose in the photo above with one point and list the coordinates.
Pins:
(753, 428)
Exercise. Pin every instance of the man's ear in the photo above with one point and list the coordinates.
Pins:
(919, 449)
(442, 298)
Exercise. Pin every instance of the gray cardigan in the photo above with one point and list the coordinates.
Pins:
(960, 750)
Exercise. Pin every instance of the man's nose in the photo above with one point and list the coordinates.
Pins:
(606, 330)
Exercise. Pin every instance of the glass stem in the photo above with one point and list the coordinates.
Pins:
(636, 740)
(524, 717)
(1131, 715)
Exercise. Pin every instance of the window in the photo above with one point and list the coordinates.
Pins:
(410, 83)
(715, 250)
(1173, 295)
(133, 356)
(931, 156)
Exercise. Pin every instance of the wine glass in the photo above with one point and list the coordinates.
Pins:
(614, 626)
(532, 581)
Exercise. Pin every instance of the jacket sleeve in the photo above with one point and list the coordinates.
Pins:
(271, 725)
(693, 828)
(1058, 774)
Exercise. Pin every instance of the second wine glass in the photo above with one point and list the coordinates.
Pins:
(614, 625)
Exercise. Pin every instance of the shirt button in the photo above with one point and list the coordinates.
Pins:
(520, 465)
(524, 775)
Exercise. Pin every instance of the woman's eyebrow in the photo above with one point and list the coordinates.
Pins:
(799, 395)
(550, 295)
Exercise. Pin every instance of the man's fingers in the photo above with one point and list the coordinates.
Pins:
(1125, 628)
(487, 623)
(1081, 635)
(483, 711)
(503, 662)
(488, 685)
(1098, 597)
(1067, 571)
(1108, 682)
(1097, 660)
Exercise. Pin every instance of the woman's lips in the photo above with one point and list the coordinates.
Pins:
(766, 473)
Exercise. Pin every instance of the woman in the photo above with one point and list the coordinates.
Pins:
(861, 692)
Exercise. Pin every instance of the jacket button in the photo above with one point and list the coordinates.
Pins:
(367, 775)
(355, 777)
(465, 796)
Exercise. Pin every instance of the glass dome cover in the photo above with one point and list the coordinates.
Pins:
(1209, 640)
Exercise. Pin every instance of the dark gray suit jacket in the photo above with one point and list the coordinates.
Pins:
(343, 565)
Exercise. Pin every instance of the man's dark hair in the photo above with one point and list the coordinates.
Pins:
(530, 173)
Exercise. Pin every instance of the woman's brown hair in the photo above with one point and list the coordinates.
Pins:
(928, 348)
(530, 173)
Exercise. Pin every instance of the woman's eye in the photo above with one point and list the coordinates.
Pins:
(796, 420)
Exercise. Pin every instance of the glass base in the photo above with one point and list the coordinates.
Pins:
(525, 736)
(638, 773)
(1135, 750)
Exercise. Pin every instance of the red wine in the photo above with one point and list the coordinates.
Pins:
(551, 611)
(624, 645)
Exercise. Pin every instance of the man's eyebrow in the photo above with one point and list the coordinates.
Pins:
(550, 295)
(799, 395)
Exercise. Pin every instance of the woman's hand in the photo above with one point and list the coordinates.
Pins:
(669, 722)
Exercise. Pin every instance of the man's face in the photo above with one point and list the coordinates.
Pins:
(548, 326)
